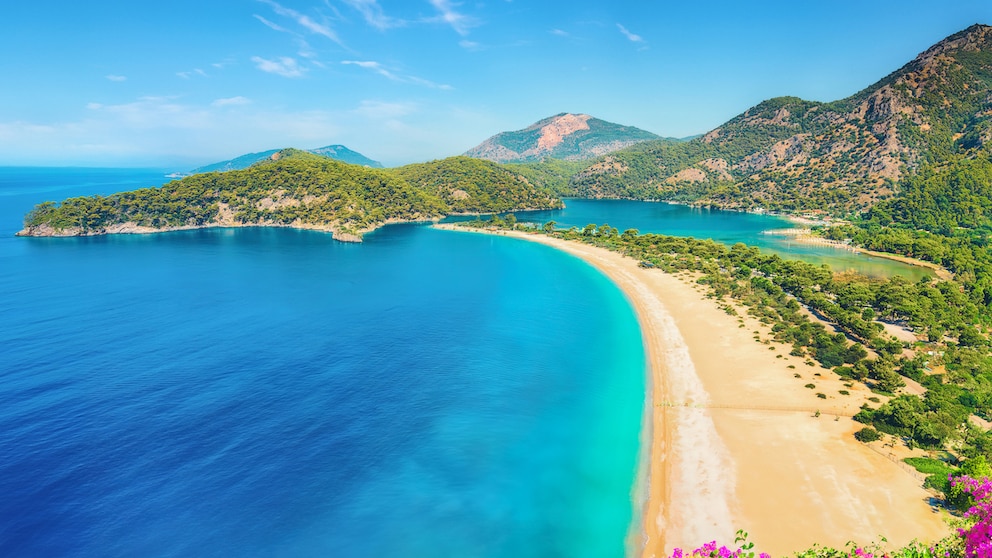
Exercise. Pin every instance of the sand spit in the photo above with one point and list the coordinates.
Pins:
(739, 442)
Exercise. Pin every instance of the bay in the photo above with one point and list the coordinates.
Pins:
(272, 392)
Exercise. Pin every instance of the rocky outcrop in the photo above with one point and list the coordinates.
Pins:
(571, 137)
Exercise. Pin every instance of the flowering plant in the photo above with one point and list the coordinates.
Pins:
(950, 547)
(744, 549)
(978, 536)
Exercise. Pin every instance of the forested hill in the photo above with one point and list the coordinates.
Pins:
(790, 154)
(297, 189)
(467, 185)
(565, 136)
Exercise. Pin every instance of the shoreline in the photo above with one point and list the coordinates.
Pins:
(227, 222)
(736, 440)
(803, 236)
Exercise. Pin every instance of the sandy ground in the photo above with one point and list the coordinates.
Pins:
(738, 440)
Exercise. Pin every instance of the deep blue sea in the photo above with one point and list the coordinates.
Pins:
(272, 392)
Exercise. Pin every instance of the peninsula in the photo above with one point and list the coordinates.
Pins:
(301, 190)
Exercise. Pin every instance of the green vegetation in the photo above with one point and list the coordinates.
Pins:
(929, 466)
(302, 189)
(467, 185)
(550, 174)
(867, 434)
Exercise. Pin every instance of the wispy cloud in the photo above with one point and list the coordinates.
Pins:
(194, 72)
(153, 130)
(164, 131)
(305, 50)
(630, 36)
(373, 14)
(458, 21)
(113, 77)
(469, 45)
(231, 102)
(428, 83)
(270, 25)
(284, 66)
(559, 33)
(302, 20)
(373, 66)
(378, 68)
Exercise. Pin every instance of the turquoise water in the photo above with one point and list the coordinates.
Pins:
(271, 392)
(728, 227)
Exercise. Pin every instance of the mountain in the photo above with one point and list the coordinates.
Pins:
(571, 137)
(345, 155)
(237, 163)
(840, 157)
(297, 189)
(336, 152)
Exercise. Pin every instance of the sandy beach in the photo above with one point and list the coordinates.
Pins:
(737, 440)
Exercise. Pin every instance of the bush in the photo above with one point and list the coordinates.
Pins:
(867, 434)
(929, 466)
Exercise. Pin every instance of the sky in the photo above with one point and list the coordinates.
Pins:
(184, 83)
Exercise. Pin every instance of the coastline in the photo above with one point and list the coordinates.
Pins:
(737, 441)
(227, 221)
(133, 228)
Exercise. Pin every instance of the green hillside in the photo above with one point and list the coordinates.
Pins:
(297, 189)
(467, 185)
(795, 155)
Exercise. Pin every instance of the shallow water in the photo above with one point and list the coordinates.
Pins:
(728, 227)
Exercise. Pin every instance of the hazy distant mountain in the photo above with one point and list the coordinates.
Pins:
(337, 152)
(571, 137)
(788, 153)
(345, 155)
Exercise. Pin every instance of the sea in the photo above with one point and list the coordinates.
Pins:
(274, 392)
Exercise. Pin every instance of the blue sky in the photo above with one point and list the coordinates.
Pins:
(182, 83)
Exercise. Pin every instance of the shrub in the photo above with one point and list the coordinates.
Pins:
(867, 434)
(929, 466)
